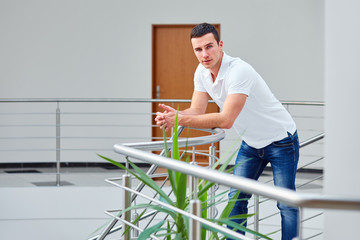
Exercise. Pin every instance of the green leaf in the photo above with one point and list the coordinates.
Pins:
(146, 234)
(226, 163)
(151, 183)
(215, 230)
(168, 237)
(175, 150)
(204, 189)
(228, 159)
(142, 176)
(151, 206)
(179, 236)
(237, 226)
(166, 148)
(171, 173)
(119, 165)
(225, 213)
(181, 191)
(204, 206)
(218, 199)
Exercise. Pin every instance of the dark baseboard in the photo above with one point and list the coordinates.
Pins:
(65, 165)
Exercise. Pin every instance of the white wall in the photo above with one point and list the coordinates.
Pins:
(102, 49)
(82, 48)
(342, 114)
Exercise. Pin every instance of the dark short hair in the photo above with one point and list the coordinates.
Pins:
(202, 29)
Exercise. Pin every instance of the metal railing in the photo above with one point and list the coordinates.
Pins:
(58, 121)
(301, 200)
(59, 125)
(59, 113)
(198, 141)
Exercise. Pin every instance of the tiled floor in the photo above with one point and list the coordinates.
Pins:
(95, 177)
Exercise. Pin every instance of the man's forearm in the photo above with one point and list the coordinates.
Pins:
(191, 111)
(209, 120)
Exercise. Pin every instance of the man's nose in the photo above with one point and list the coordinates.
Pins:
(205, 53)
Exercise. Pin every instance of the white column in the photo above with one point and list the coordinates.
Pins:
(342, 114)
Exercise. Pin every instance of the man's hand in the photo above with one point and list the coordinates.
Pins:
(166, 119)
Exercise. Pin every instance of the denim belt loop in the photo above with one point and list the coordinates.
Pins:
(291, 135)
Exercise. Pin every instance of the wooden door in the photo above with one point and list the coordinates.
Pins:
(174, 64)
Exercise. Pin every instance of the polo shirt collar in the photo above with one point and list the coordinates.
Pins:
(222, 71)
(224, 67)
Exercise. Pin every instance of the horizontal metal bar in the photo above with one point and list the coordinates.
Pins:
(127, 100)
(139, 100)
(75, 125)
(312, 140)
(243, 184)
(310, 163)
(217, 135)
(311, 103)
(117, 228)
(308, 182)
(130, 224)
(182, 212)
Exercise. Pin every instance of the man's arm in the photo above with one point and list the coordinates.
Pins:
(232, 107)
(199, 102)
(198, 106)
(195, 116)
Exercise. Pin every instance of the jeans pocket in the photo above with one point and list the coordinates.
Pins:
(288, 141)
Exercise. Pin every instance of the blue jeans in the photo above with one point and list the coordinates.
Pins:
(283, 156)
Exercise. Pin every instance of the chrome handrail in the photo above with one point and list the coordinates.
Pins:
(312, 140)
(142, 100)
(247, 185)
(217, 135)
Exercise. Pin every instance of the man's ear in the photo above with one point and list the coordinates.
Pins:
(221, 43)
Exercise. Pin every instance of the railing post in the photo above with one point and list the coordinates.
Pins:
(58, 145)
(195, 208)
(135, 231)
(256, 216)
(193, 185)
(195, 226)
(300, 224)
(211, 210)
(126, 203)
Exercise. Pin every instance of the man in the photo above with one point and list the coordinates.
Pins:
(247, 104)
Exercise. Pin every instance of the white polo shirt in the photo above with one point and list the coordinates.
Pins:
(263, 119)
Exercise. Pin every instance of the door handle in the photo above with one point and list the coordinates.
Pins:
(157, 91)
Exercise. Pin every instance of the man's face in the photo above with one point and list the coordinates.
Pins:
(208, 51)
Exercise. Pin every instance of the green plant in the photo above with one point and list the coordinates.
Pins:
(176, 226)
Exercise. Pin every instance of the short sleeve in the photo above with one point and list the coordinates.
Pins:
(240, 80)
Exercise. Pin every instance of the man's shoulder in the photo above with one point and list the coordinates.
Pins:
(237, 66)
(234, 61)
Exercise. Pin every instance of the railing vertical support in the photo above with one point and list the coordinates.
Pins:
(195, 226)
(195, 208)
(211, 211)
(195, 205)
(126, 203)
(58, 145)
(135, 231)
(193, 185)
(300, 225)
(256, 216)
